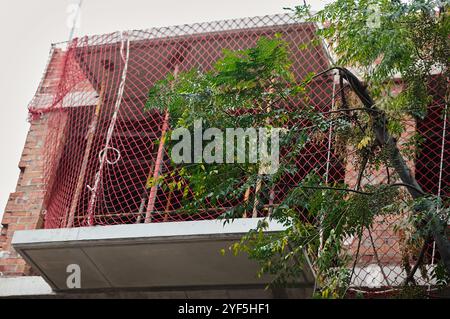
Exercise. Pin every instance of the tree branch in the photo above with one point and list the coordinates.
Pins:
(397, 161)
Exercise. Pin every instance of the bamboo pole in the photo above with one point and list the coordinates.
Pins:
(157, 171)
(159, 162)
(90, 139)
(257, 190)
(246, 198)
(168, 205)
(144, 197)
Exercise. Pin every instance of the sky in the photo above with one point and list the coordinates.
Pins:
(28, 28)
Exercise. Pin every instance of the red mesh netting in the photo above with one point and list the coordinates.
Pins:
(102, 146)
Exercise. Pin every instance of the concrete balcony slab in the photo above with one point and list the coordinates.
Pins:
(176, 255)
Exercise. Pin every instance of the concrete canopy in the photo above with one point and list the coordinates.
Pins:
(175, 255)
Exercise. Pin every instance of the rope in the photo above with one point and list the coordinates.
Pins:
(118, 157)
(125, 41)
(441, 168)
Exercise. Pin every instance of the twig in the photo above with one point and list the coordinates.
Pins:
(356, 258)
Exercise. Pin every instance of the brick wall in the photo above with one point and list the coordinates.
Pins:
(382, 245)
(24, 209)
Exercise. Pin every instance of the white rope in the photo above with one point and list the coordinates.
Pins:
(441, 169)
(330, 133)
(125, 42)
(118, 157)
(441, 166)
(327, 170)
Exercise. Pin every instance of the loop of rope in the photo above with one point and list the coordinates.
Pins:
(100, 155)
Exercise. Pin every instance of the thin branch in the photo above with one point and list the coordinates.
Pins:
(356, 257)
(377, 257)
(348, 189)
(361, 171)
(330, 188)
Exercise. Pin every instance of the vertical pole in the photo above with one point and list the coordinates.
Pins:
(158, 170)
(144, 198)
(87, 152)
(159, 162)
(246, 198)
(257, 191)
(271, 201)
(168, 206)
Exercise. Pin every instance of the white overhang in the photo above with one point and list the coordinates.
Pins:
(164, 255)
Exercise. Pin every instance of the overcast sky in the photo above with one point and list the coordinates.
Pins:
(27, 29)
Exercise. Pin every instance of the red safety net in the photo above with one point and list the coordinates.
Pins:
(102, 146)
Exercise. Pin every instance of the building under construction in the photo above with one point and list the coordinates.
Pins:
(82, 195)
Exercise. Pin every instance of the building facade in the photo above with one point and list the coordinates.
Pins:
(83, 197)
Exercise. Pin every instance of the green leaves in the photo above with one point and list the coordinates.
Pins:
(267, 61)
(237, 93)
(242, 90)
(389, 39)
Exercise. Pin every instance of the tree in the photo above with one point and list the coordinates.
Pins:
(382, 39)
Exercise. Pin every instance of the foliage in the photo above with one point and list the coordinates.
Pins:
(251, 88)
(240, 83)
(386, 40)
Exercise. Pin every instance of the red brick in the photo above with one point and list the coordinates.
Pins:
(24, 206)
